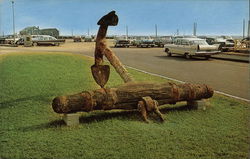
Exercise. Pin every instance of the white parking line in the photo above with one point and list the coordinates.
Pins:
(154, 74)
(232, 96)
(176, 80)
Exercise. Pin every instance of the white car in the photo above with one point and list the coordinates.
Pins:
(122, 43)
(45, 40)
(191, 47)
(88, 39)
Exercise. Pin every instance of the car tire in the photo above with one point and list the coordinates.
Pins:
(207, 57)
(221, 46)
(169, 54)
(225, 50)
(34, 44)
(187, 56)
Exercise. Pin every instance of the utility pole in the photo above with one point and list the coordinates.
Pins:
(248, 33)
(195, 29)
(243, 28)
(155, 30)
(126, 32)
(13, 13)
(177, 32)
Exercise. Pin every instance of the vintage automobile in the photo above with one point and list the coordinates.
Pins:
(2, 40)
(45, 40)
(190, 47)
(159, 42)
(77, 39)
(224, 43)
(145, 42)
(10, 40)
(122, 43)
(20, 41)
(87, 39)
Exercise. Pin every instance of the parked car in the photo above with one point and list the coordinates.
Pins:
(20, 41)
(224, 43)
(2, 40)
(10, 40)
(87, 39)
(159, 42)
(191, 47)
(162, 40)
(77, 39)
(45, 40)
(145, 42)
(133, 41)
(122, 43)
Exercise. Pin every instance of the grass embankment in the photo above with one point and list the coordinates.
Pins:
(30, 128)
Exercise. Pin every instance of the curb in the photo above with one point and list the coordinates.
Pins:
(237, 58)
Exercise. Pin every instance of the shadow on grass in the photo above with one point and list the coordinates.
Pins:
(6, 104)
(53, 124)
(128, 114)
(106, 115)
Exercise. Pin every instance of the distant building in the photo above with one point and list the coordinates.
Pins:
(36, 31)
(50, 31)
(30, 31)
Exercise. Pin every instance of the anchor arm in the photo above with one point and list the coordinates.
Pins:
(101, 72)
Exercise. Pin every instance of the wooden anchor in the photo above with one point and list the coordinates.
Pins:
(144, 96)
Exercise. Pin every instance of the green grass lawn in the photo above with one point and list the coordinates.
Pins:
(30, 128)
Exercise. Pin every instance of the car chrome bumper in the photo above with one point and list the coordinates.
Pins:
(205, 53)
(122, 44)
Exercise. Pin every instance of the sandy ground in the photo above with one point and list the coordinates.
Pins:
(68, 46)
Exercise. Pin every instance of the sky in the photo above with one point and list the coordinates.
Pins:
(213, 17)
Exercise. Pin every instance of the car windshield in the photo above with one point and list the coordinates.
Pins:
(200, 42)
(231, 41)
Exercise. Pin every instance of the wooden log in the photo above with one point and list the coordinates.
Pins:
(128, 95)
